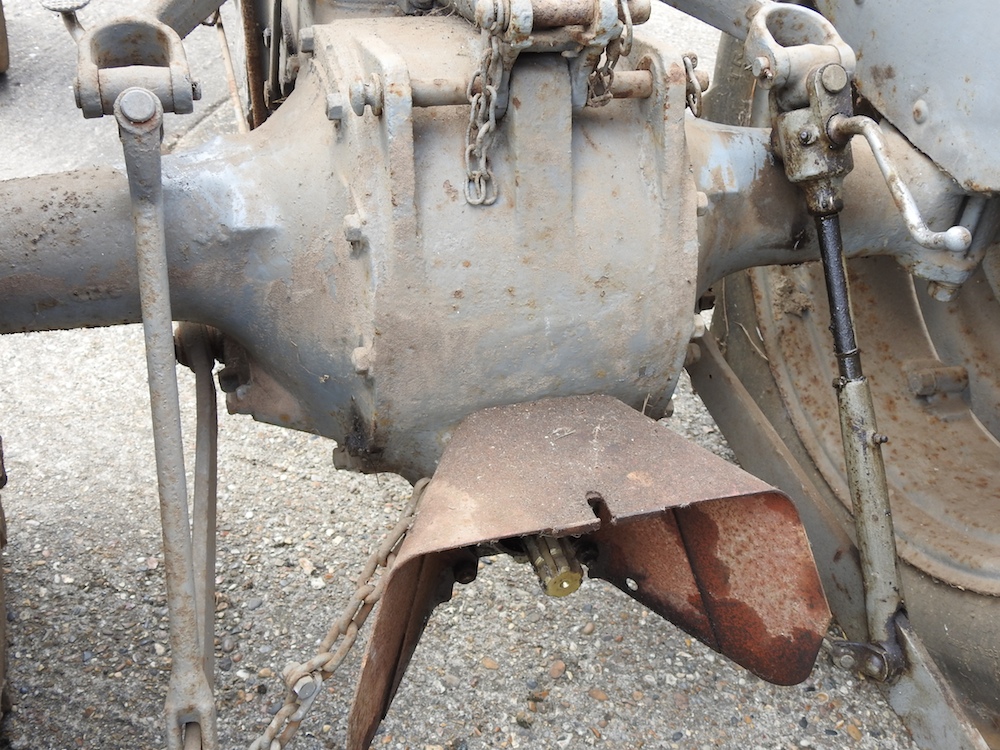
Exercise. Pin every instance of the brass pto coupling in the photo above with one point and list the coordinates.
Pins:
(555, 563)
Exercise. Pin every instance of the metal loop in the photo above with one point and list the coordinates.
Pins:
(693, 87)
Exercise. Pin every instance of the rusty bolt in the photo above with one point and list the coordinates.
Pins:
(942, 291)
(761, 66)
(879, 438)
(834, 78)
(920, 111)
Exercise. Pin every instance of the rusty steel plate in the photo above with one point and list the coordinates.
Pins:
(694, 538)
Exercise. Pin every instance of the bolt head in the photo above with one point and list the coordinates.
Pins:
(920, 111)
(808, 136)
(834, 78)
(846, 661)
(307, 39)
(137, 105)
(702, 203)
(941, 291)
(336, 106)
(760, 66)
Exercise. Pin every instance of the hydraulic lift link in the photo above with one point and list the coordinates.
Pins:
(818, 159)
(190, 705)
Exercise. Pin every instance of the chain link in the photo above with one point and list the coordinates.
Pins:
(305, 680)
(599, 85)
(480, 189)
(693, 84)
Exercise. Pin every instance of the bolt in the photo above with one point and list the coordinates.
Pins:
(137, 105)
(879, 438)
(834, 78)
(354, 228)
(808, 136)
(307, 39)
(693, 355)
(702, 203)
(305, 687)
(466, 570)
(336, 105)
(845, 661)
(361, 358)
(196, 91)
(760, 66)
(920, 111)
(942, 291)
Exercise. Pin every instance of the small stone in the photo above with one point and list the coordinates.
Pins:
(597, 694)
(317, 583)
(451, 681)
(804, 722)
(307, 566)
(490, 663)
(160, 649)
(557, 669)
(254, 602)
(524, 719)
(637, 695)
(854, 732)
(228, 644)
(265, 673)
(588, 629)
(225, 664)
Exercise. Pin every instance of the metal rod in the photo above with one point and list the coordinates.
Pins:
(862, 449)
(842, 325)
(189, 696)
(234, 91)
(956, 239)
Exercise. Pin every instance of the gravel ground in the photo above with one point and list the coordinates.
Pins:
(499, 666)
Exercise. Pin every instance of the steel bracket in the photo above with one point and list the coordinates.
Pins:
(694, 538)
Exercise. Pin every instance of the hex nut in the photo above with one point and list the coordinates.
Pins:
(336, 106)
(307, 39)
(354, 228)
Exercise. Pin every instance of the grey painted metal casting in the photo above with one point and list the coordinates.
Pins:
(420, 237)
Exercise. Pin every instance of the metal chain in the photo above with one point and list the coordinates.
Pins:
(599, 85)
(480, 190)
(305, 680)
(693, 84)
